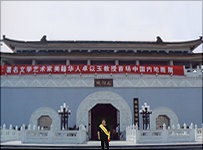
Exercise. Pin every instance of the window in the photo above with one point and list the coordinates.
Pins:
(160, 120)
(45, 121)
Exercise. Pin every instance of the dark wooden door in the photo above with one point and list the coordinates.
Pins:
(99, 112)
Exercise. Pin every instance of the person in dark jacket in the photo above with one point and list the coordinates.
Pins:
(103, 133)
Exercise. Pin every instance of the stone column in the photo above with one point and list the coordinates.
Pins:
(67, 62)
(88, 62)
(33, 62)
(116, 62)
(200, 65)
(191, 66)
(2, 62)
(137, 62)
(171, 62)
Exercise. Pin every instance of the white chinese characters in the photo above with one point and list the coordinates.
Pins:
(89, 69)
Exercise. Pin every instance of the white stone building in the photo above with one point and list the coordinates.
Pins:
(100, 79)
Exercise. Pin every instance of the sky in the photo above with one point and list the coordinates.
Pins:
(101, 20)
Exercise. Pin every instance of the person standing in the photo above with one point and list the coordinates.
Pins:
(117, 133)
(103, 133)
(114, 134)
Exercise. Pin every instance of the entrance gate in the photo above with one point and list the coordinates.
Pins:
(97, 113)
(124, 114)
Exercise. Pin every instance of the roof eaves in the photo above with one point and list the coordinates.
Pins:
(11, 43)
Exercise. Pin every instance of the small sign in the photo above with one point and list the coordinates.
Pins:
(103, 82)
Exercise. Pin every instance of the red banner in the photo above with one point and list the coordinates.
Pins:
(90, 69)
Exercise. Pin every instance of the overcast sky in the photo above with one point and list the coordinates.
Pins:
(114, 20)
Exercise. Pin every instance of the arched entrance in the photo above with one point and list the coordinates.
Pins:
(162, 119)
(104, 97)
(45, 121)
(97, 113)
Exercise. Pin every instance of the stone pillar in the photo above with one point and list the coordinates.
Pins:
(137, 62)
(88, 62)
(33, 62)
(191, 66)
(2, 62)
(116, 62)
(67, 62)
(171, 62)
(164, 134)
(200, 65)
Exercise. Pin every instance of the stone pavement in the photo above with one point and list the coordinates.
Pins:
(96, 145)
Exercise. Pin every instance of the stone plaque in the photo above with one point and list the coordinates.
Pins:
(103, 82)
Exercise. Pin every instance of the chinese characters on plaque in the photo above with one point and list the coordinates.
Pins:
(103, 82)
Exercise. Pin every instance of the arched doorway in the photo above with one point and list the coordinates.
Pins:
(162, 119)
(105, 97)
(97, 113)
(45, 121)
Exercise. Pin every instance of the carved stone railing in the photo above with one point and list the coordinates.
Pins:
(133, 135)
(37, 135)
(173, 134)
(199, 134)
(10, 134)
(193, 72)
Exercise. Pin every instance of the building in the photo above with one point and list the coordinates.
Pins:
(101, 79)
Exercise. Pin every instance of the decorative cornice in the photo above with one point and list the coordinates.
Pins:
(98, 56)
